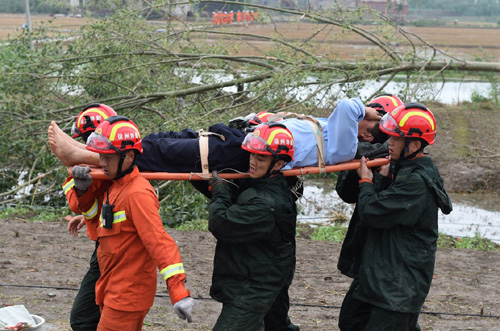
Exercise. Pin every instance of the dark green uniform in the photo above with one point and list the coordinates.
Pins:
(392, 248)
(255, 253)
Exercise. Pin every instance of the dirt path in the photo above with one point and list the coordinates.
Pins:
(44, 255)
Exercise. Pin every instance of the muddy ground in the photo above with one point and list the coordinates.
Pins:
(41, 265)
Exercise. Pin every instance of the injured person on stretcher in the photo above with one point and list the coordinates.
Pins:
(336, 138)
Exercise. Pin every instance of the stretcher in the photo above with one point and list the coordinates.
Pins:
(98, 173)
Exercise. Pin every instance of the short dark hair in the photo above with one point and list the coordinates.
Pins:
(283, 157)
(378, 135)
(423, 143)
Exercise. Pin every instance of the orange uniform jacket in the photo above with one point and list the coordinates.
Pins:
(137, 243)
(72, 198)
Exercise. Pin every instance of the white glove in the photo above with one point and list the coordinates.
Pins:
(183, 308)
(81, 177)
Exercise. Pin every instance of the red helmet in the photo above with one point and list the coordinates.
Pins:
(116, 134)
(90, 118)
(270, 139)
(259, 118)
(411, 120)
(385, 103)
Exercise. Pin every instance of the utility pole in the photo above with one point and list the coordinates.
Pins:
(28, 18)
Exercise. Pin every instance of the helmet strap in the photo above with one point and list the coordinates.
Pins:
(270, 172)
(407, 150)
(119, 172)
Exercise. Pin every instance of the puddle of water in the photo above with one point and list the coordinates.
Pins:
(465, 220)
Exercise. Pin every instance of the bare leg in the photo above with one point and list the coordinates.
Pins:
(59, 132)
(69, 154)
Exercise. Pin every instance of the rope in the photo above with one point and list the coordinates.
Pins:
(291, 303)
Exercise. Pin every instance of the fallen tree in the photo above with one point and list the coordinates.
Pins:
(171, 74)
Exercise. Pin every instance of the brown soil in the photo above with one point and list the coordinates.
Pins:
(11, 24)
(43, 255)
(461, 42)
(465, 42)
(466, 151)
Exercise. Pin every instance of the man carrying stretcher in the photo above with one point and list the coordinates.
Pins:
(179, 152)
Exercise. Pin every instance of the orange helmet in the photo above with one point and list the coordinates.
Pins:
(259, 118)
(116, 134)
(90, 118)
(411, 120)
(270, 139)
(385, 103)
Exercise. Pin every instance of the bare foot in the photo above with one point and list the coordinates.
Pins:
(68, 153)
(59, 132)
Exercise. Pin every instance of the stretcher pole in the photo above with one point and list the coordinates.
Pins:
(98, 173)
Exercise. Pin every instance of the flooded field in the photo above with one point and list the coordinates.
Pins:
(321, 203)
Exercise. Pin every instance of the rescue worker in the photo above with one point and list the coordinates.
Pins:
(382, 103)
(348, 189)
(254, 222)
(132, 240)
(399, 209)
(89, 119)
(85, 313)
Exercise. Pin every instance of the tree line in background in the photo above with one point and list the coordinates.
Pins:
(36, 7)
(485, 8)
(457, 7)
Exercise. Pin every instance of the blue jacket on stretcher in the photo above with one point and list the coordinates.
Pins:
(180, 152)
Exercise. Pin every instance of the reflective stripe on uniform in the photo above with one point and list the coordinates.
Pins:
(92, 212)
(66, 187)
(118, 217)
(172, 270)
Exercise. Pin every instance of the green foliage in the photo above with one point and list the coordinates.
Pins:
(330, 233)
(33, 213)
(182, 204)
(36, 7)
(494, 89)
(477, 97)
(428, 22)
(169, 76)
(147, 75)
(478, 242)
(12, 6)
(334, 232)
(194, 225)
(337, 232)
